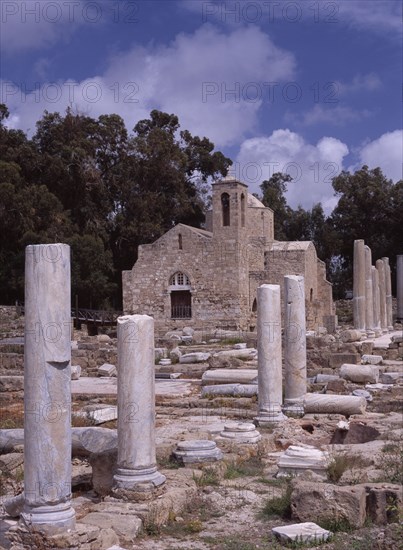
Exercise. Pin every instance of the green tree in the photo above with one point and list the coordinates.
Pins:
(89, 183)
(74, 162)
(273, 196)
(92, 272)
(313, 225)
(370, 207)
(163, 181)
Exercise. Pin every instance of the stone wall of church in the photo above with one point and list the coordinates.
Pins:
(224, 268)
(261, 223)
(303, 261)
(211, 273)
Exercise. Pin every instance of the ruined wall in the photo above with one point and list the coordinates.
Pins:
(127, 291)
(325, 293)
(261, 223)
(286, 261)
(295, 258)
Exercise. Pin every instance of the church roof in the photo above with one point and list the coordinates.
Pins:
(201, 232)
(290, 245)
(253, 202)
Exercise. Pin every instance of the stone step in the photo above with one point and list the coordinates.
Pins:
(223, 376)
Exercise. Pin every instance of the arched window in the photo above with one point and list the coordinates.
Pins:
(242, 210)
(179, 279)
(180, 241)
(225, 209)
(311, 295)
(254, 306)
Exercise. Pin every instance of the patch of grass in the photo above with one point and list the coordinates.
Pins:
(334, 524)
(341, 462)
(231, 341)
(244, 359)
(78, 421)
(19, 475)
(208, 477)
(180, 529)
(3, 487)
(391, 462)
(35, 538)
(12, 348)
(12, 417)
(151, 529)
(273, 482)
(253, 466)
(193, 526)
(361, 544)
(236, 544)
(394, 511)
(169, 463)
(233, 470)
(279, 506)
(150, 525)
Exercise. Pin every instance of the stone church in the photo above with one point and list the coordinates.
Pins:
(207, 278)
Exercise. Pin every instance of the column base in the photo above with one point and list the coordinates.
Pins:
(293, 409)
(370, 333)
(49, 519)
(390, 329)
(142, 480)
(197, 451)
(266, 418)
(241, 432)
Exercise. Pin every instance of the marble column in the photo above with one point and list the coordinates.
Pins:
(380, 266)
(270, 393)
(294, 344)
(376, 301)
(359, 286)
(136, 467)
(388, 290)
(369, 298)
(47, 390)
(399, 286)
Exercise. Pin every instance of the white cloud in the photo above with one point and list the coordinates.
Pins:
(385, 152)
(338, 115)
(214, 82)
(40, 24)
(311, 166)
(380, 16)
(367, 83)
(383, 16)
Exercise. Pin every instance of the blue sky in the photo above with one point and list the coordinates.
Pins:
(306, 87)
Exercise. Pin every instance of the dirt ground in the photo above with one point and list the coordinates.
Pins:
(232, 504)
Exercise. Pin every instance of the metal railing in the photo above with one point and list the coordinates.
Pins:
(181, 312)
(100, 317)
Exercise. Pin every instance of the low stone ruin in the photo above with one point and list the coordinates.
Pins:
(222, 439)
